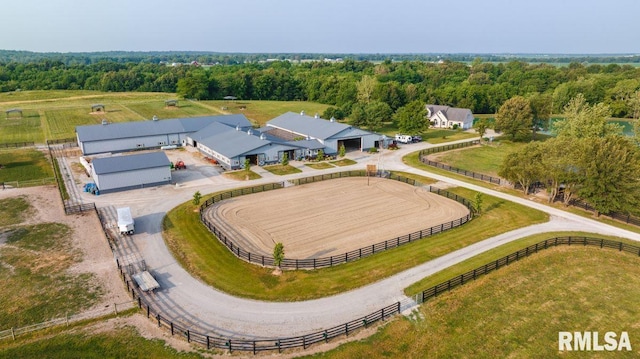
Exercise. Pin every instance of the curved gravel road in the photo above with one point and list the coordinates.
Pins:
(209, 310)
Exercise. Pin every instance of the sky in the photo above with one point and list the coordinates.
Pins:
(323, 26)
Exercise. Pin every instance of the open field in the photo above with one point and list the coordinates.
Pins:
(333, 217)
(259, 112)
(485, 159)
(517, 311)
(24, 164)
(197, 250)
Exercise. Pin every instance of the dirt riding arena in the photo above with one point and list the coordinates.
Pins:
(331, 217)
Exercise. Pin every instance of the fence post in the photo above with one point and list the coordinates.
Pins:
(171, 328)
(115, 307)
(13, 334)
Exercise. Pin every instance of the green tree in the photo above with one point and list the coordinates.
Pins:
(523, 166)
(611, 168)
(320, 156)
(365, 87)
(197, 197)
(481, 126)
(377, 112)
(412, 118)
(515, 117)
(541, 107)
(278, 254)
(478, 199)
(582, 120)
(247, 165)
(342, 151)
(194, 85)
(285, 159)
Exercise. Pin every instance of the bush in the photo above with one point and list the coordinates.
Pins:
(373, 150)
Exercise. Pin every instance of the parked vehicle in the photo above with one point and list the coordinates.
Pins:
(180, 165)
(403, 138)
(416, 138)
(126, 225)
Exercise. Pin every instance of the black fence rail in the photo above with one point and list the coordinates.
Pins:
(516, 256)
(211, 340)
(623, 217)
(79, 208)
(483, 177)
(62, 140)
(17, 144)
(315, 263)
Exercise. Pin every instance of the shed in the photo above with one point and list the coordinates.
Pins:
(97, 107)
(14, 113)
(171, 103)
(120, 173)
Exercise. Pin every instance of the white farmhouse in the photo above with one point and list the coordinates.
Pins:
(447, 117)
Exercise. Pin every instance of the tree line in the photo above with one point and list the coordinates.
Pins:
(358, 89)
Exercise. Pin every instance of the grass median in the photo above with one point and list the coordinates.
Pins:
(518, 310)
(207, 259)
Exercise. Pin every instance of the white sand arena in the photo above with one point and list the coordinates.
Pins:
(332, 217)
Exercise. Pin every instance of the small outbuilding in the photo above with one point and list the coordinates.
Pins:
(171, 103)
(14, 113)
(120, 173)
(97, 107)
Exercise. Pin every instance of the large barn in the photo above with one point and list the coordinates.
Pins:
(127, 136)
(119, 173)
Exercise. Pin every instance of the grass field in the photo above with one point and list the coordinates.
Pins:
(485, 159)
(116, 343)
(34, 263)
(242, 175)
(185, 108)
(24, 164)
(195, 247)
(259, 112)
(517, 311)
(319, 165)
(343, 162)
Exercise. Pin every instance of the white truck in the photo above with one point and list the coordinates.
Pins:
(404, 138)
(126, 224)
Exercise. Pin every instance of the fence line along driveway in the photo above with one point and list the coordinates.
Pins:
(209, 310)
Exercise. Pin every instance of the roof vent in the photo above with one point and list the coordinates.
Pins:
(154, 118)
(302, 113)
(237, 127)
(263, 137)
(249, 132)
(333, 119)
(104, 121)
(316, 115)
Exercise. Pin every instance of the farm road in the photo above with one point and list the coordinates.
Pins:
(210, 311)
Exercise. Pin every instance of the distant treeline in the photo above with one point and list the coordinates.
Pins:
(349, 84)
(208, 57)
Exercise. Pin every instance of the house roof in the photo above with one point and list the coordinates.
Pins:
(115, 164)
(228, 141)
(307, 126)
(310, 144)
(154, 128)
(451, 113)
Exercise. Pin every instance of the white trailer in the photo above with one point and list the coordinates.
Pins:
(126, 224)
(404, 138)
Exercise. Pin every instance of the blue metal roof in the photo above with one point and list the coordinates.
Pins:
(307, 126)
(152, 128)
(115, 164)
(228, 141)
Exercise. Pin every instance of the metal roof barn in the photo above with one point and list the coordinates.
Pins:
(120, 173)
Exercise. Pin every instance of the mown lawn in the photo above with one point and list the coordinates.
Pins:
(485, 158)
(158, 108)
(517, 311)
(319, 165)
(117, 343)
(24, 164)
(281, 170)
(201, 254)
(242, 175)
(344, 162)
(262, 111)
(27, 128)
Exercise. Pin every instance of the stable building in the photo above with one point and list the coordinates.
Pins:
(118, 173)
(331, 134)
(128, 136)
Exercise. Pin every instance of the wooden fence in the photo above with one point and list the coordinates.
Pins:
(16, 145)
(424, 153)
(257, 345)
(516, 256)
(314, 263)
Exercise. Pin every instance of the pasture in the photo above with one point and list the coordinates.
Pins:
(24, 164)
(518, 310)
(333, 217)
(259, 112)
